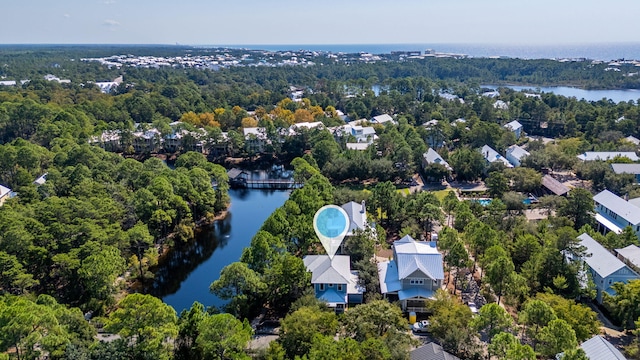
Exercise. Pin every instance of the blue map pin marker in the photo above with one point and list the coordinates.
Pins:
(331, 224)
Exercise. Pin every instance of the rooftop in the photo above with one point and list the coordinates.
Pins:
(631, 253)
(432, 157)
(554, 185)
(607, 155)
(325, 270)
(598, 348)
(517, 152)
(619, 206)
(514, 125)
(626, 168)
(492, 156)
(598, 258)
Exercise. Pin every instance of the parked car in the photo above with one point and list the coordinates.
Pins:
(421, 326)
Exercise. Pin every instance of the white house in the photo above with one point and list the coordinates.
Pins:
(515, 154)
(358, 146)
(632, 139)
(5, 193)
(607, 155)
(413, 275)
(491, 156)
(357, 216)
(255, 139)
(382, 119)
(333, 281)
(515, 127)
(598, 348)
(432, 157)
(615, 213)
(605, 268)
(500, 105)
(630, 255)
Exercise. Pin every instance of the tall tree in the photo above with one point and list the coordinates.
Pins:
(222, 336)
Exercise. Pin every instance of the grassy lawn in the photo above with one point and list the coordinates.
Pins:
(441, 194)
(403, 192)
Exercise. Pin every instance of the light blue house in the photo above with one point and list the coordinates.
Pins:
(605, 268)
(614, 213)
(413, 275)
(515, 127)
(633, 169)
(333, 281)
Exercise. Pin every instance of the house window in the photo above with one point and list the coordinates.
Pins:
(339, 287)
(330, 285)
(321, 287)
(416, 281)
(609, 281)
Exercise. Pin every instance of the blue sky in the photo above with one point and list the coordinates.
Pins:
(218, 22)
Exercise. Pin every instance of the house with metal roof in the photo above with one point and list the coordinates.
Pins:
(630, 255)
(598, 348)
(605, 268)
(607, 155)
(632, 139)
(614, 213)
(492, 156)
(413, 275)
(5, 193)
(382, 119)
(431, 351)
(515, 154)
(515, 127)
(333, 281)
(357, 216)
(633, 169)
(432, 157)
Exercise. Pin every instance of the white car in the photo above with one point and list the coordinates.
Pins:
(473, 308)
(421, 326)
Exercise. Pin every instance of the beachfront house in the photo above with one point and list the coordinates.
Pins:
(413, 274)
(515, 127)
(515, 154)
(605, 268)
(333, 281)
(614, 213)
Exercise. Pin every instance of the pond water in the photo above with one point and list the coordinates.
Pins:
(589, 95)
(187, 271)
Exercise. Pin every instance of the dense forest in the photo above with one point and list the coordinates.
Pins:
(82, 243)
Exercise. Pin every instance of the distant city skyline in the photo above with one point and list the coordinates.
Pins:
(239, 22)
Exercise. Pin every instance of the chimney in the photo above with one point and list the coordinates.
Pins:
(626, 197)
(363, 209)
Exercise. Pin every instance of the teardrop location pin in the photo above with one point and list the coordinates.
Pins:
(331, 224)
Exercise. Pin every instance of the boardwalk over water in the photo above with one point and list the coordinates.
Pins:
(241, 179)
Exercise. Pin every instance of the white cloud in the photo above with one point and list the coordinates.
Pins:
(111, 23)
(67, 15)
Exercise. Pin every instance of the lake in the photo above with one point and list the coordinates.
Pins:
(589, 95)
(187, 271)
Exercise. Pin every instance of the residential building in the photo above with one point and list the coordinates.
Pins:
(413, 275)
(109, 140)
(630, 255)
(598, 348)
(633, 169)
(431, 351)
(293, 129)
(607, 155)
(432, 157)
(333, 281)
(147, 141)
(357, 216)
(554, 186)
(614, 213)
(515, 154)
(491, 156)
(41, 179)
(605, 268)
(357, 146)
(634, 140)
(500, 105)
(255, 139)
(515, 127)
(5, 193)
(383, 119)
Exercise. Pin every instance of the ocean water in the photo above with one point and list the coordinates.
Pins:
(604, 51)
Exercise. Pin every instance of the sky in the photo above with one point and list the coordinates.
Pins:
(239, 22)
